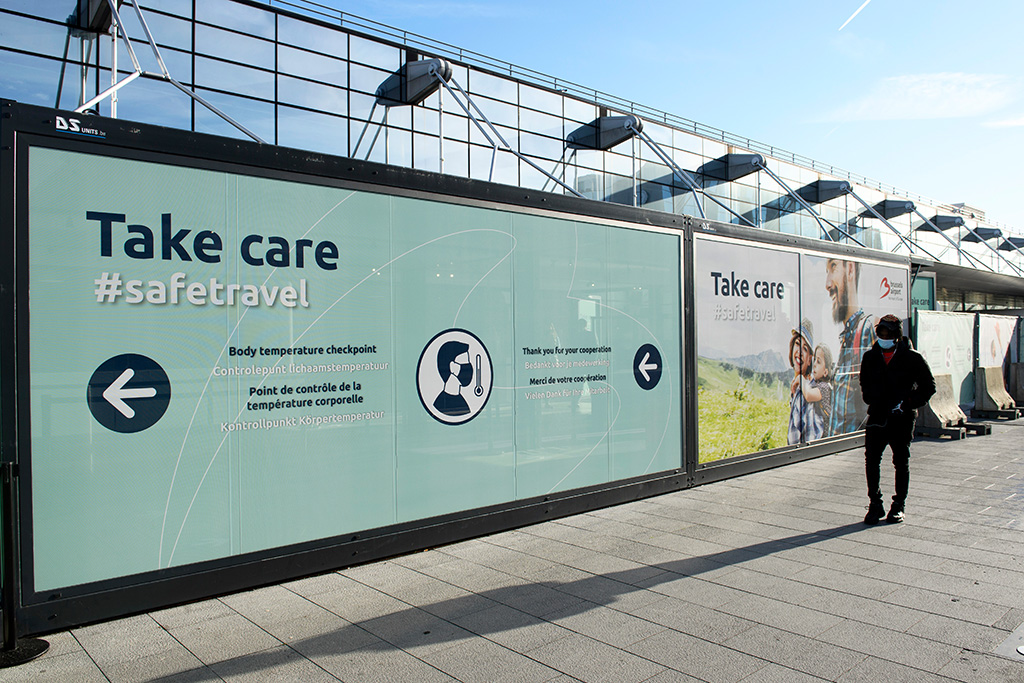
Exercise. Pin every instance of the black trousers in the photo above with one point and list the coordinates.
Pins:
(896, 432)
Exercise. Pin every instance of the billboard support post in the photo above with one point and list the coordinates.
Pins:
(13, 652)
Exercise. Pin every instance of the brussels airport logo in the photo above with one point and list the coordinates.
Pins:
(454, 376)
(75, 126)
(889, 289)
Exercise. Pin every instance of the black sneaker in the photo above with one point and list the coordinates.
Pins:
(876, 511)
(895, 515)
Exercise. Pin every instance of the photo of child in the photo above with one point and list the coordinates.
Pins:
(817, 391)
(803, 418)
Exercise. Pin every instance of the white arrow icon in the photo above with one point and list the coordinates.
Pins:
(116, 393)
(643, 367)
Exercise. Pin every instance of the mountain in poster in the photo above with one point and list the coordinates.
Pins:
(770, 361)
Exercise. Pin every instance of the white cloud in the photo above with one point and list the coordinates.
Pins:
(1008, 123)
(931, 96)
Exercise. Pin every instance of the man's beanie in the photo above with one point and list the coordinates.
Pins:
(890, 322)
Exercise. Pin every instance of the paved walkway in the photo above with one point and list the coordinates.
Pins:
(767, 577)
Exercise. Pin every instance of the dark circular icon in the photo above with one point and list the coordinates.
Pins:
(647, 367)
(454, 376)
(128, 393)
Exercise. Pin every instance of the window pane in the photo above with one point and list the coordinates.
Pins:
(580, 112)
(498, 113)
(310, 65)
(369, 146)
(312, 95)
(537, 122)
(256, 116)
(234, 15)
(33, 80)
(183, 8)
(35, 36)
(540, 146)
(541, 100)
(178, 62)
(235, 47)
(425, 120)
(456, 158)
(492, 86)
(375, 54)
(238, 79)
(152, 101)
(166, 30)
(57, 10)
(312, 36)
(427, 153)
(399, 148)
(365, 79)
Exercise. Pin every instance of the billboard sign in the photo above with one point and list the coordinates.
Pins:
(223, 363)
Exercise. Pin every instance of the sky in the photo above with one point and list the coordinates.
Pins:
(924, 95)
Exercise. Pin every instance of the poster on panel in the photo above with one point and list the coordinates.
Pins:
(258, 362)
(995, 334)
(946, 340)
(841, 299)
(747, 305)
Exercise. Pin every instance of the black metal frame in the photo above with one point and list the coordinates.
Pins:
(24, 126)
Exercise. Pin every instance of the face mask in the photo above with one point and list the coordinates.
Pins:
(887, 343)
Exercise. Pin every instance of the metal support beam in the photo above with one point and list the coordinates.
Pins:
(685, 177)
(948, 239)
(803, 202)
(507, 147)
(995, 251)
(164, 74)
(907, 243)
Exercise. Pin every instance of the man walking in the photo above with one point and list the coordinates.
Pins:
(895, 380)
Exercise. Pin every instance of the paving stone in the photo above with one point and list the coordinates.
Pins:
(380, 665)
(954, 606)
(171, 663)
(271, 666)
(512, 628)
(61, 644)
(590, 660)
(73, 666)
(356, 602)
(873, 670)
(606, 625)
(416, 631)
(796, 652)
(781, 615)
(194, 613)
(227, 637)
(482, 661)
(119, 641)
(696, 620)
(271, 605)
(979, 666)
(773, 673)
(913, 651)
(959, 633)
(698, 658)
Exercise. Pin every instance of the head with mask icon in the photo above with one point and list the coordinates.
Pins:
(456, 370)
(888, 330)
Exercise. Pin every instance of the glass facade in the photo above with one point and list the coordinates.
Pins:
(305, 76)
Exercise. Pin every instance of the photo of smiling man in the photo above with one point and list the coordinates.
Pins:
(842, 282)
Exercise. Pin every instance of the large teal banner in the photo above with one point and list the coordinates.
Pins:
(223, 363)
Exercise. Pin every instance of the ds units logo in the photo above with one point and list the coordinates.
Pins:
(75, 126)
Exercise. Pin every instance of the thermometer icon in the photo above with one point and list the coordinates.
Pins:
(478, 389)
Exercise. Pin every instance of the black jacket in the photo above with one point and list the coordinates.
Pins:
(905, 378)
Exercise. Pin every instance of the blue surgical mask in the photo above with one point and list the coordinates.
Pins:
(887, 343)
